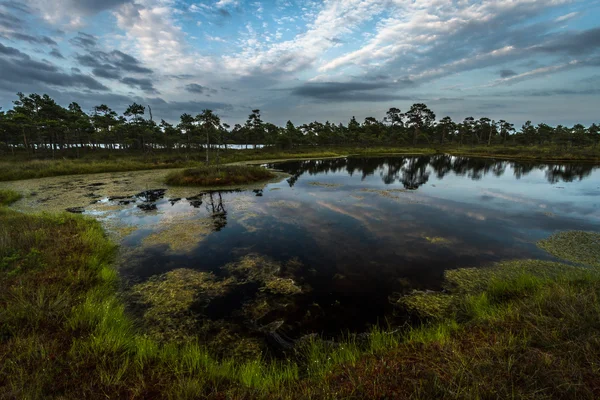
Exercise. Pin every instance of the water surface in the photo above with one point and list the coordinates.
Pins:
(358, 230)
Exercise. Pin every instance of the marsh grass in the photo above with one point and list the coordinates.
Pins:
(217, 176)
(522, 329)
(7, 197)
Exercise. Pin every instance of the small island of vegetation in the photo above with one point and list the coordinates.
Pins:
(218, 175)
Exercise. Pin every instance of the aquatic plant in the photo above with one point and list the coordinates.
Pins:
(575, 246)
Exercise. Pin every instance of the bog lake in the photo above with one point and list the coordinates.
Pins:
(326, 246)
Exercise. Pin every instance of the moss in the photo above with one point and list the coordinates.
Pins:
(215, 176)
(575, 246)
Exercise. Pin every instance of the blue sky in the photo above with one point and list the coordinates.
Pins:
(304, 60)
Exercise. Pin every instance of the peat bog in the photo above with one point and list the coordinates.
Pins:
(328, 250)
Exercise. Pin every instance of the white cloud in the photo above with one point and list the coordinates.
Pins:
(153, 34)
(535, 73)
(226, 3)
(566, 17)
(416, 26)
(334, 18)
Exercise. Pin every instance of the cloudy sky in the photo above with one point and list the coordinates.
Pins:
(306, 60)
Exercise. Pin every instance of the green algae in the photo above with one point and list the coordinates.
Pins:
(437, 240)
(428, 304)
(180, 234)
(575, 246)
(169, 298)
(253, 267)
(282, 286)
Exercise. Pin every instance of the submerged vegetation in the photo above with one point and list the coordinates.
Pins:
(519, 329)
(575, 246)
(219, 176)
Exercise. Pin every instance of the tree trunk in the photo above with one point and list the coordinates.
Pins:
(207, 147)
(25, 140)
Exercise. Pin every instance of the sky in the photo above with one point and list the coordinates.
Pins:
(303, 60)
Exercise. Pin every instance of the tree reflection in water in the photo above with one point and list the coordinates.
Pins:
(413, 172)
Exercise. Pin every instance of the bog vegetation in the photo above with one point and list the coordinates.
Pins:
(520, 329)
(218, 176)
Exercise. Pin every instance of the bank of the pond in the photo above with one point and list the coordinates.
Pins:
(23, 167)
(519, 329)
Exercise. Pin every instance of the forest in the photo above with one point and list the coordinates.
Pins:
(37, 123)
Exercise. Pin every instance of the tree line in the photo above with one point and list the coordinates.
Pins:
(37, 123)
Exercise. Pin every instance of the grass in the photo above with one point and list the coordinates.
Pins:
(21, 166)
(7, 197)
(520, 329)
(218, 176)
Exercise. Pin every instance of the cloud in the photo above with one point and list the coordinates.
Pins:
(199, 89)
(142, 83)
(535, 73)
(111, 65)
(350, 91)
(572, 43)
(506, 73)
(56, 53)
(226, 3)
(428, 40)
(567, 17)
(71, 12)
(84, 40)
(11, 51)
(32, 39)
(336, 19)
(17, 6)
(8, 21)
(19, 69)
(154, 36)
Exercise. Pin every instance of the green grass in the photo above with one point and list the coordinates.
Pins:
(218, 176)
(520, 329)
(7, 197)
(22, 166)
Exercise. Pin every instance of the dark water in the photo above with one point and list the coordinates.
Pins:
(367, 228)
